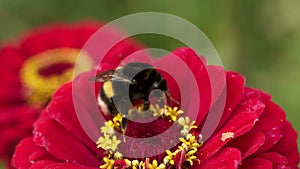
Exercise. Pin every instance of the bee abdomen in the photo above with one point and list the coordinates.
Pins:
(103, 105)
(106, 104)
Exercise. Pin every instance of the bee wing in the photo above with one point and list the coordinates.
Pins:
(103, 76)
(109, 75)
(120, 79)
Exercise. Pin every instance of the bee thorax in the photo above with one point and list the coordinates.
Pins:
(108, 89)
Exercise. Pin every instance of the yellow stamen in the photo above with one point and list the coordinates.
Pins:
(108, 128)
(169, 159)
(117, 120)
(190, 145)
(109, 163)
(118, 156)
(186, 124)
(172, 112)
(189, 142)
(155, 165)
(156, 110)
(108, 143)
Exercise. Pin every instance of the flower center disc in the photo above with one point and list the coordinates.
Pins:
(43, 73)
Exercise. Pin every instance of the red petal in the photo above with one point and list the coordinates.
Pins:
(235, 87)
(252, 105)
(218, 79)
(238, 125)
(22, 152)
(225, 104)
(120, 164)
(271, 125)
(272, 131)
(41, 164)
(255, 93)
(248, 143)
(278, 160)
(122, 50)
(51, 36)
(227, 158)
(179, 159)
(61, 109)
(15, 124)
(11, 59)
(111, 46)
(218, 88)
(84, 30)
(61, 144)
(69, 166)
(192, 75)
(273, 111)
(174, 77)
(257, 163)
(41, 154)
(85, 104)
(287, 146)
(242, 121)
(147, 162)
(10, 96)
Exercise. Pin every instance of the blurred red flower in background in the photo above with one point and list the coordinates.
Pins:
(252, 133)
(35, 67)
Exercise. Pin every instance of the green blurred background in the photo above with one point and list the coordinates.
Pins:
(259, 39)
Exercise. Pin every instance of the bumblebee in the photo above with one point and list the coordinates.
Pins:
(129, 83)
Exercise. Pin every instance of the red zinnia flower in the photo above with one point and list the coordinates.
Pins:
(33, 69)
(252, 133)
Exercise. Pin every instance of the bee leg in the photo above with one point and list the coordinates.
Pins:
(124, 112)
(113, 108)
(123, 127)
(146, 103)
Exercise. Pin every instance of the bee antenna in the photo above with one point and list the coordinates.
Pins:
(177, 102)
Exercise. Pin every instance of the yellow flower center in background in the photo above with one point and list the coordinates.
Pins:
(43, 73)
